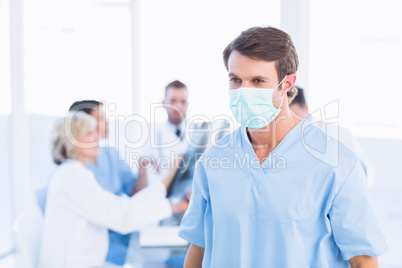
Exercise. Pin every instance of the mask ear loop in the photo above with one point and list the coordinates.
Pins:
(280, 105)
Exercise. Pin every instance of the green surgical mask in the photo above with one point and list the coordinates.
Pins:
(253, 107)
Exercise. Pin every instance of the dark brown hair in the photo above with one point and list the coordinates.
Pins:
(299, 98)
(267, 44)
(175, 84)
(86, 106)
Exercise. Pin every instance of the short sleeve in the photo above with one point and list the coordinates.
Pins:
(355, 226)
(192, 225)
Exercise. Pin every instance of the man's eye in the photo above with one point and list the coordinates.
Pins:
(234, 80)
(258, 81)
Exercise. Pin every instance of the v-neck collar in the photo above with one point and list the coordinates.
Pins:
(259, 171)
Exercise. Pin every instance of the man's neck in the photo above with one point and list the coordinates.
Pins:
(84, 160)
(175, 123)
(268, 137)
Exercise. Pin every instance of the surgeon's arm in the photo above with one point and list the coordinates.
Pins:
(176, 162)
(194, 257)
(142, 179)
(363, 261)
(118, 213)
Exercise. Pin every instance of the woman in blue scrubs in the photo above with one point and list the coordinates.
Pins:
(283, 194)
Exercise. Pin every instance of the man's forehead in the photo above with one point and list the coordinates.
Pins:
(241, 65)
(249, 74)
(176, 91)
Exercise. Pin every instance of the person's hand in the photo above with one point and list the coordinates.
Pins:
(188, 195)
(179, 207)
(146, 161)
(176, 162)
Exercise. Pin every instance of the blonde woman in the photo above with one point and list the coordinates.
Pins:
(79, 212)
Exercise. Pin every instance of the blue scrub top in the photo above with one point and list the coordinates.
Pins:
(307, 205)
(115, 176)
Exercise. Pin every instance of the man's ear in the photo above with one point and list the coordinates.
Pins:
(289, 82)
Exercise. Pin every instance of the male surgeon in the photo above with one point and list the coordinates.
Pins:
(284, 194)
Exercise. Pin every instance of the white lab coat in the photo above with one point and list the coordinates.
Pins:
(79, 213)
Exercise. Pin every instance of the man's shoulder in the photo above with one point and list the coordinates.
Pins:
(70, 171)
(71, 166)
(318, 135)
(108, 152)
(327, 150)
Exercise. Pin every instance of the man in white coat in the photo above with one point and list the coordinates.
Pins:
(167, 140)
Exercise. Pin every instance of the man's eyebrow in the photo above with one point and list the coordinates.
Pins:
(261, 78)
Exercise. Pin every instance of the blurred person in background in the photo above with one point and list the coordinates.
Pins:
(79, 212)
(113, 174)
(167, 139)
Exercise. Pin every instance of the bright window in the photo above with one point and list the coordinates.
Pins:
(5, 87)
(185, 39)
(356, 55)
(74, 50)
(6, 192)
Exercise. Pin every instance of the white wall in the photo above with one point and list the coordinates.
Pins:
(384, 155)
(6, 207)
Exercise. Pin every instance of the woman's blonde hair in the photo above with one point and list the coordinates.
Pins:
(74, 125)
